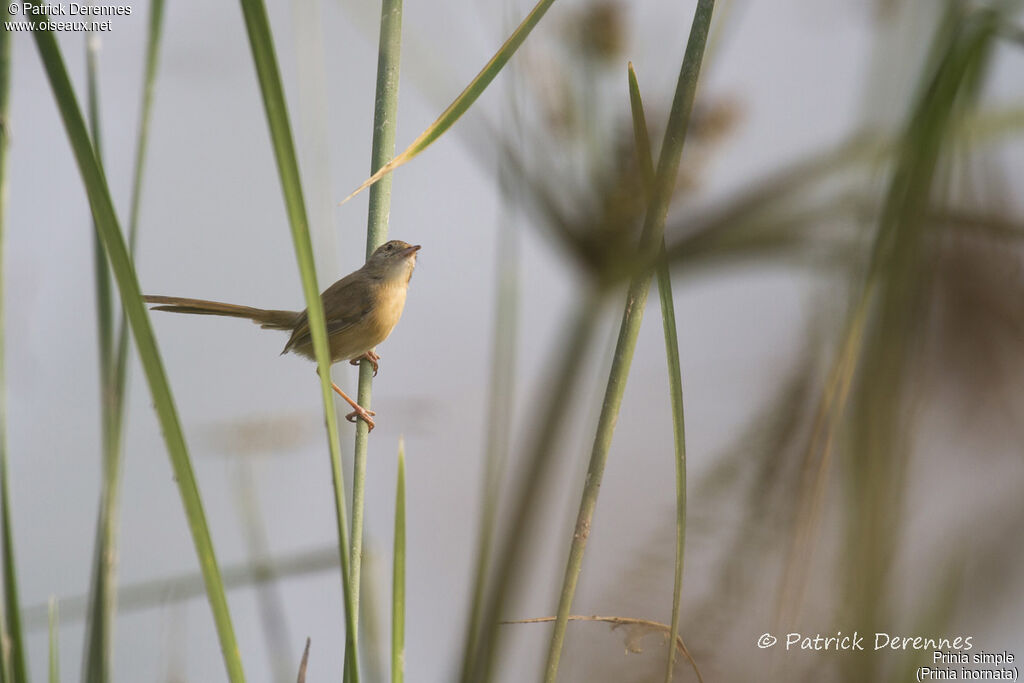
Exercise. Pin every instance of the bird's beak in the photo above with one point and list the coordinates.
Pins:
(409, 251)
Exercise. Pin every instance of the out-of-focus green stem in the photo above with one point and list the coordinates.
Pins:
(632, 316)
(12, 660)
(499, 412)
(54, 646)
(478, 662)
(99, 627)
(398, 576)
(113, 368)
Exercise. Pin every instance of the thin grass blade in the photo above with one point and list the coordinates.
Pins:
(629, 330)
(398, 576)
(675, 379)
(131, 298)
(12, 659)
(261, 42)
(465, 99)
(98, 627)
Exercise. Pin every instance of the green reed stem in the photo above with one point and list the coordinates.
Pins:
(261, 42)
(383, 147)
(629, 330)
(131, 298)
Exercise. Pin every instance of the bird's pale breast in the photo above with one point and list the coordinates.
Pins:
(374, 327)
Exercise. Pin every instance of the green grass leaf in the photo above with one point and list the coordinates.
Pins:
(262, 44)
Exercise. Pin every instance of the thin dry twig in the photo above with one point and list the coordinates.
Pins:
(620, 621)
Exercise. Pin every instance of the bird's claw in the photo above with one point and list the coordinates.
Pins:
(364, 415)
(371, 357)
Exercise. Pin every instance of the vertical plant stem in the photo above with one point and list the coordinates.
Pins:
(131, 298)
(478, 663)
(99, 639)
(12, 664)
(261, 42)
(499, 412)
(104, 303)
(383, 147)
(54, 645)
(675, 379)
(98, 624)
(636, 299)
(398, 576)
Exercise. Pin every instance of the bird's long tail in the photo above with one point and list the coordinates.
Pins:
(273, 320)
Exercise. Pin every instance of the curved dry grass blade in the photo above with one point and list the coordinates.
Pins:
(629, 330)
(12, 659)
(675, 379)
(385, 111)
(260, 41)
(465, 99)
(131, 298)
(623, 621)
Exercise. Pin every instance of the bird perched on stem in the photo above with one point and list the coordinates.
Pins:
(360, 309)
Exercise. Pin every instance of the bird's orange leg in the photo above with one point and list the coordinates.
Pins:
(371, 356)
(359, 413)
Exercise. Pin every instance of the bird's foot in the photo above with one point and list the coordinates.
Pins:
(372, 357)
(361, 413)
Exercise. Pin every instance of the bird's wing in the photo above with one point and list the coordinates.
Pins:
(346, 302)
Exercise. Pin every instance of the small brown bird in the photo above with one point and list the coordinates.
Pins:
(361, 310)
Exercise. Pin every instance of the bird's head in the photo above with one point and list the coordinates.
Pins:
(393, 260)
